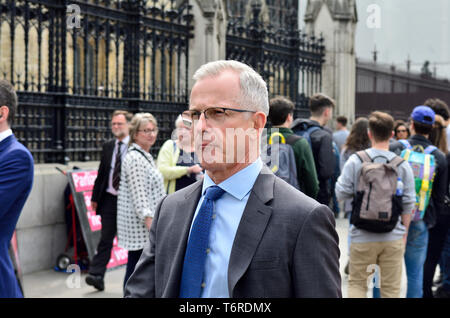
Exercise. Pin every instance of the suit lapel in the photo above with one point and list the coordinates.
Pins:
(110, 152)
(185, 213)
(251, 227)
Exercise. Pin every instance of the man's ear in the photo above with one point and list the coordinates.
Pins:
(260, 120)
(4, 112)
(290, 118)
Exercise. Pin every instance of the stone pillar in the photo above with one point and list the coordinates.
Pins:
(336, 22)
(208, 43)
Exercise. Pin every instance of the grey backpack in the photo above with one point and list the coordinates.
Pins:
(284, 166)
(376, 207)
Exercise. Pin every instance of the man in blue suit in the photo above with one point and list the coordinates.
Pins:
(16, 179)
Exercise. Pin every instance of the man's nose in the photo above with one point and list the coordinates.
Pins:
(202, 123)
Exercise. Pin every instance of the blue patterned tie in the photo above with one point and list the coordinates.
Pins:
(195, 257)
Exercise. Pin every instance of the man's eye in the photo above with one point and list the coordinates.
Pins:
(216, 112)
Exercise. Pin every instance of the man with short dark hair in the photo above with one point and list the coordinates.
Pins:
(16, 180)
(104, 194)
(422, 120)
(368, 248)
(321, 107)
(281, 115)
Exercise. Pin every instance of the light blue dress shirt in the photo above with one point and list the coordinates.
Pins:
(227, 214)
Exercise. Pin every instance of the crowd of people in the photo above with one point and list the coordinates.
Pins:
(211, 218)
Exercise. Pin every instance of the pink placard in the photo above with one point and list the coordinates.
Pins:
(119, 256)
(84, 180)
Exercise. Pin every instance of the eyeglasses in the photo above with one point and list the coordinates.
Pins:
(215, 114)
(149, 131)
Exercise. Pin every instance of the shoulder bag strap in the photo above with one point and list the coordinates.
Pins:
(142, 155)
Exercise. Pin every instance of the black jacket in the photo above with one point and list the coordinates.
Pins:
(440, 183)
(101, 183)
(322, 148)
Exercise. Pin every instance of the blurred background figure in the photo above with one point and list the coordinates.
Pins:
(401, 130)
(357, 140)
(141, 188)
(177, 161)
(104, 194)
(341, 133)
(437, 235)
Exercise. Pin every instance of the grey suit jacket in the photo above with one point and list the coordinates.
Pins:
(286, 245)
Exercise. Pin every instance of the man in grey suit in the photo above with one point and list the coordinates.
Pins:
(264, 238)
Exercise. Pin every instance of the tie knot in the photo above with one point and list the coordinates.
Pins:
(214, 193)
(120, 143)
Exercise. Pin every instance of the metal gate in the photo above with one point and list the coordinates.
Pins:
(268, 39)
(74, 62)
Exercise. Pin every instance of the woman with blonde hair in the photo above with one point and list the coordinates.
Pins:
(141, 188)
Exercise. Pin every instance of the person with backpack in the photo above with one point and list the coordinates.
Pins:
(382, 186)
(281, 116)
(430, 173)
(320, 141)
(438, 234)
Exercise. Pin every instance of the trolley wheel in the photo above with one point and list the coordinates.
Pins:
(63, 261)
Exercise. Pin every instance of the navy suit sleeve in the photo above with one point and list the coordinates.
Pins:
(16, 177)
(316, 261)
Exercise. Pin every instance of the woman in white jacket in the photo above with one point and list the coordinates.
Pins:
(141, 188)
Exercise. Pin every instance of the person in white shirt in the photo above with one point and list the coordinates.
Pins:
(141, 188)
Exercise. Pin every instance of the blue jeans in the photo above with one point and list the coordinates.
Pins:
(415, 255)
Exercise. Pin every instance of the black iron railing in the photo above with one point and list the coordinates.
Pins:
(289, 60)
(74, 62)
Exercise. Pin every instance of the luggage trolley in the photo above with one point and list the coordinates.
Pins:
(74, 237)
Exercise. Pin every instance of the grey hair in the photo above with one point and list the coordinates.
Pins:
(253, 94)
(178, 121)
(138, 120)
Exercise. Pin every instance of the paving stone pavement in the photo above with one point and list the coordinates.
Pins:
(52, 284)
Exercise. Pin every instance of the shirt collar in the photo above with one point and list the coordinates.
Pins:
(5, 134)
(125, 140)
(240, 183)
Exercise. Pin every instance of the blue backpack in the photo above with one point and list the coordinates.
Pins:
(279, 157)
(306, 131)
